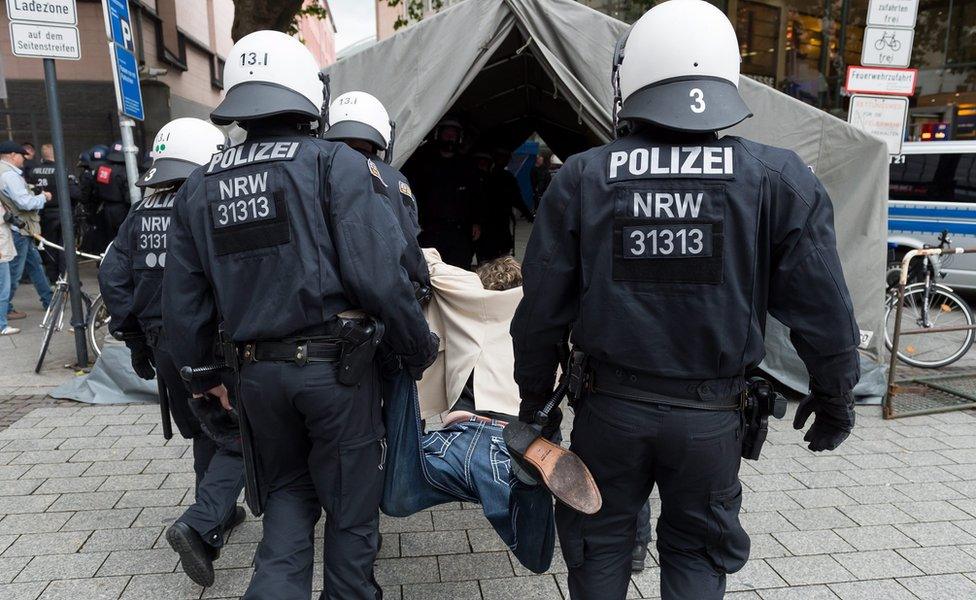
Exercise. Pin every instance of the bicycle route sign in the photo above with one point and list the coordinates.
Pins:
(887, 47)
(893, 13)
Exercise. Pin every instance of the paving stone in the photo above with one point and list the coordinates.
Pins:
(139, 562)
(34, 444)
(10, 567)
(116, 518)
(777, 465)
(6, 541)
(250, 531)
(83, 431)
(817, 518)
(755, 575)
(875, 537)
(936, 534)
(230, 583)
(390, 547)
(876, 514)
(871, 590)
(135, 441)
(12, 505)
(39, 457)
(57, 470)
(486, 565)
(169, 465)
(935, 510)
(449, 520)
(940, 560)
(541, 587)
(771, 483)
(432, 543)
(875, 494)
(150, 481)
(807, 592)
(117, 467)
(767, 501)
(86, 501)
(12, 471)
(36, 544)
(110, 455)
(155, 452)
(940, 587)
(876, 564)
(486, 540)
(19, 487)
(21, 591)
(400, 571)
(151, 498)
(82, 443)
(139, 538)
(180, 480)
(61, 566)
(764, 545)
(823, 479)
(66, 486)
(812, 542)
(168, 586)
(460, 590)
(33, 523)
(242, 555)
(807, 570)
(874, 477)
(821, 498)
(765, 522)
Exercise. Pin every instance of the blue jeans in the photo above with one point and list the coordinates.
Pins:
(4, 293)
(467, 462)
(29, 259)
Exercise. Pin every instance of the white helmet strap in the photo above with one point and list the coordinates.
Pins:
(326, 101)
(388, 155)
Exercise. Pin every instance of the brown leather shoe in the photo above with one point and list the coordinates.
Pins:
(562, 471)
(16, 314)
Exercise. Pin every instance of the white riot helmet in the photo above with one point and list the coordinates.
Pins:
(678, 68)
(269, 73)
(360, 116)
(181, 146)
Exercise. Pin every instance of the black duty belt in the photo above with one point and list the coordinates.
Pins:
(300, 352)
(706, 394)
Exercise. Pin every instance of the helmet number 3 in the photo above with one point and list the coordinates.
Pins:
(699, 106)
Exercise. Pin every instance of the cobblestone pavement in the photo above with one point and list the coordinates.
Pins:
(86, 491)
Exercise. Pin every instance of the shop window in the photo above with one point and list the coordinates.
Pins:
(758, 32)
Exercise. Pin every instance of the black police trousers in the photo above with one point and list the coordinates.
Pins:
(320, 445)
(51, 230)
(219, 466)
(693, 456)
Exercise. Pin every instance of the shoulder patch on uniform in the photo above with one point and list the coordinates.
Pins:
(375, 171)
(405, 189)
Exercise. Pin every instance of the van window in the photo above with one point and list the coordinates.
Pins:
(933, 178)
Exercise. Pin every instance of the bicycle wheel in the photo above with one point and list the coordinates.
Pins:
(51, 323)
(98, 319)
(930, 350)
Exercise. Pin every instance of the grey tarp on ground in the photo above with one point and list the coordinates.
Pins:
(544, 65)
(111, 381)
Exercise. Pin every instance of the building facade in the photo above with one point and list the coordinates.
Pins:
(180, 46)
(803, 48)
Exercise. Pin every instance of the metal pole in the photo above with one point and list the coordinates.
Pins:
(64, 207)
(841, 49)
(129, 152)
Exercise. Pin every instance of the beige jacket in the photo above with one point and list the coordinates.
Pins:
(7, 249)
(473, 324)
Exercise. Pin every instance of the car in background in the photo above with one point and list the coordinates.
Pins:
(932, 188)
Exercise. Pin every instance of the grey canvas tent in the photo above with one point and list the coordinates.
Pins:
(514, 67)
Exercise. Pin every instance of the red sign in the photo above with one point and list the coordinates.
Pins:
(881, 80)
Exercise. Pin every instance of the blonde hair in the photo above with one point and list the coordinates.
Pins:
(501, 274)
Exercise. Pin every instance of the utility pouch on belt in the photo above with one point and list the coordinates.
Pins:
(358, 339)
(579, 375)
(760, 402)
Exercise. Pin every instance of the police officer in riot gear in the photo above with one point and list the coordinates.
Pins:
(360, 120)
(111, 189)
(448, 195)
(131, 278)
(289, 240)
(42, 178)
(663, 251)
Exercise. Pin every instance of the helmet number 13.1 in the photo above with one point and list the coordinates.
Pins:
(699, 106)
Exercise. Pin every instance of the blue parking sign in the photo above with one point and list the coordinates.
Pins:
(117, 23)
(128, 92)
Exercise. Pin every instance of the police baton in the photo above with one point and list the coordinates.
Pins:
(164, 408)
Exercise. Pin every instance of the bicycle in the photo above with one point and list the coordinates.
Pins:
(95, 315)
(929, 305)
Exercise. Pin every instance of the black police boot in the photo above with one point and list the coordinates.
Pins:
(638, 558)
(236, 518)
(196, 557)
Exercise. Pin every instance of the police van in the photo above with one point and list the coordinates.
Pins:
(932, 188)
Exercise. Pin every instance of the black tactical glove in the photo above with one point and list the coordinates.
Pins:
(142, 359)
(529, 409)
(833, 422)
(417, 370)
(388, 361)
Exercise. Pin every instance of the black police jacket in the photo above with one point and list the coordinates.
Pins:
(131, 274)
(110, 183)
(42, 177)
(447, 191)
(666, 257)
(404, 205)
(277, 236)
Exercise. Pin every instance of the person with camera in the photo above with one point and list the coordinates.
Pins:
(7, 254)
(23, 211)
